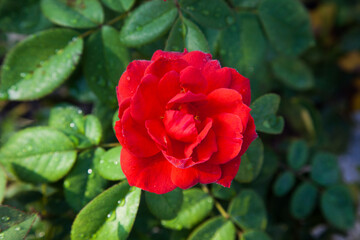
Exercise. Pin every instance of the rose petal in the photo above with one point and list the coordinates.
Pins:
(228, 129)
(206, 148)
(150, 174)
(249, 135)
(187, 97)
(162, 66)
(229, 171)
(123, 106)
(192, 79)
(242, 85)
(145, 104)
(169, 55)
(197, 59)
(203, 133)
(169, 86)
(202, 173)
(157, 132)
(131, 78)
(216, 76)
(180, 126)
(135, 137)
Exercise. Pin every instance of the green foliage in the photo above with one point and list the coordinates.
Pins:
(148, 22)
(39, 154)
(287, 25)
(325, 170)
(215, 229)
(60, 163)
(297, 154)
(263, 112)
(109, 166)
(248, 210)
(15, 224)
(283, 184)
(251, 162)
(164, 206)
(75, 14)
(110, 215)
(3, 181)
(255, 235)
(303, 200)
(211, 13)
(38, 65)
(185, 34)
(103, 72)
(84, 182)
(196, 205)
(337, 207)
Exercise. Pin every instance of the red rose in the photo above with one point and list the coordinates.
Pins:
(183, 120)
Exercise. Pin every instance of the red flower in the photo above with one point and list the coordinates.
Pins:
(183, 120)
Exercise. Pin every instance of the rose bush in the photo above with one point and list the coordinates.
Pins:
(183, 120)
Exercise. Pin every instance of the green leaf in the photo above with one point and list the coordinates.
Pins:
(75, 14)
(223, 193)
(23, 17)
(251, 162)
(263, 111)
(67, 117)
(70, 120)
(185, 34)
(338, 208)
(3, 180)
(15, 224)
(248, 210)
(287, 25)
(283, 183)
(39, 154)
(109, 167)
(210, 13)
(297, 154)
(247, 3)
(303, 200)
(254, 235)
(216, 228)
(164, 206)
(110, 215)
(148, 22)
(195, 207)
(293, 72)
(93, 129)
(119, 5)
(243, 44)
(84, 182)
(325, 169)
(103, 72)
(40, 64)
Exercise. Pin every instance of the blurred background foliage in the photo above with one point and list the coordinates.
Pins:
(61, 61)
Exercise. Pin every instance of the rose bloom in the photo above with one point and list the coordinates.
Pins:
(183, 120)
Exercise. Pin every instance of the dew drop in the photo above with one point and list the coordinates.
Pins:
(128, 78)
(5, 218)
(101, 161)
(17, 229)
(89, 171)
(72, 125)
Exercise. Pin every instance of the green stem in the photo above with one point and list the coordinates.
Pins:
(111, 22)
(217, 204)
